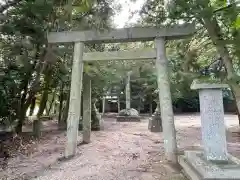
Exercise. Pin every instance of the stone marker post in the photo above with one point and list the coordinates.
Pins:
(128, 91)
(212, 120)
(87, 104)
(103, 104)
(118, 104)
(155, 122)
(75, 100)
(165, 100)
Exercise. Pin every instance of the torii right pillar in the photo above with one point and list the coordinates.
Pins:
(165, 100)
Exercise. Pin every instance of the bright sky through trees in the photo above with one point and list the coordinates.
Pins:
(128, 13)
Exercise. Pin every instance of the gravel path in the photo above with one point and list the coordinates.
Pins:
(123, 151)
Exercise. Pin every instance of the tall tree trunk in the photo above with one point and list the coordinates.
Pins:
(32, 106)
(44, 99)
(237, 111)
(139, 105)
(40, 68)
(236, 92)
(60, 105)
(63, 121)
(65, 115)
(43, 103)
(51, 103)
(150, 108)
(25, 103)
(95, 116)
(22, 109)
(119, 104)
(22, 115)
(215, 34)
(37, 124)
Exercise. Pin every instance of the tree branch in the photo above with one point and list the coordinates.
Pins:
(226, 7)
(9, 4)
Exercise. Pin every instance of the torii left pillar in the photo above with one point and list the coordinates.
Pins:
(165, 100)
(75, 100)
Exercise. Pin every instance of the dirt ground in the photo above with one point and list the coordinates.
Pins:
(123, 151)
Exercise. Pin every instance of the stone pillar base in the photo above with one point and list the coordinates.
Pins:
(101, 123)
(128, 118)
(196, 167)
(37, 126)
(154, 125)
(128, 115)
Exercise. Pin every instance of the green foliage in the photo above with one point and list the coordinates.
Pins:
(216, 39)
(29, 67)
(8, 96)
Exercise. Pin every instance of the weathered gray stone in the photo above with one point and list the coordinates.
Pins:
(37, 126)
(101, 123)
(87, 103)
(165, 100)
(122, 35)
(128, 112)
(213, 127)
(96, 119)
(103, 105)
(155, 122)
(155, 125)
(138, 54)
(212, 120)
(128, 115)
(196, 84)
(128, 91)
(214, 163)
(128, 118)
(197, 167)
(75, 100)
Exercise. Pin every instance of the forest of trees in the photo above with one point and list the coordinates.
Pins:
(34, 73)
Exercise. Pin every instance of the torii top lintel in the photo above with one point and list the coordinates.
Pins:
(122, 35)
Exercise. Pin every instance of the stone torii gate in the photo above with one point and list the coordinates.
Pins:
(159, 35)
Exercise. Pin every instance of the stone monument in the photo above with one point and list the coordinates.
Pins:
(155, 122)
(213, 162)
(129, 114)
